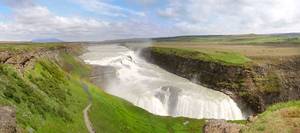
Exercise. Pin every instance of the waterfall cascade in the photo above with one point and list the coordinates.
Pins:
(156, 90)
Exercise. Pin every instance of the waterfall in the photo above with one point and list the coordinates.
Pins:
(156, 90)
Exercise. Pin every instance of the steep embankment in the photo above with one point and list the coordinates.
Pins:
(259, 85)
(46, 97)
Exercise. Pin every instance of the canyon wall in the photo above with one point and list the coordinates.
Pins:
(257, 85)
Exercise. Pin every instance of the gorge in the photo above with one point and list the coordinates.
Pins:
(156, 90)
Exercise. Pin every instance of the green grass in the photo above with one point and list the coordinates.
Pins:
(74, 66)
(242, 122)
(46, 98)
(17, 47)
(227, 58)
(281, 118)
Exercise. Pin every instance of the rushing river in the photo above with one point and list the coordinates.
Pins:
(156, 90)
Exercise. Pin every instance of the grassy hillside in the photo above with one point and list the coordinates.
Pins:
(44, 98)
(50, 98)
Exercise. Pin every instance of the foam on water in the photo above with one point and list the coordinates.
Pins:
(156, 90)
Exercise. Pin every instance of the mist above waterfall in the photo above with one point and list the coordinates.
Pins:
(156, 90)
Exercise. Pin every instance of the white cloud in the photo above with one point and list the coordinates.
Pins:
(36, 21)
(233, 16)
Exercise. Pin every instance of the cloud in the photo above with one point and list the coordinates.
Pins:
(232, 16)
(103, 8)
(35, 21)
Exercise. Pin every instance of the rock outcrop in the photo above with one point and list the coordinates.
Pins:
(221, 126)
(25, 59)
(257, 85)
(7, 120)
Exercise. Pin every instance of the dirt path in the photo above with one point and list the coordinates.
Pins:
(86, 110)
(87, 120)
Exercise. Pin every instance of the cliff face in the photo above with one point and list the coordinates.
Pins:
(256, 85)
(26, 58)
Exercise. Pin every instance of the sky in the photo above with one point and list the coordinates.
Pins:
(97, 20)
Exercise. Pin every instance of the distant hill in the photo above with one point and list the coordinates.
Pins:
(47, 40)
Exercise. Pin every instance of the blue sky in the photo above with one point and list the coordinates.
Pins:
(96, 20)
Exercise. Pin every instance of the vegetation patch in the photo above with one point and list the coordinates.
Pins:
(269, 83)
(243, 122)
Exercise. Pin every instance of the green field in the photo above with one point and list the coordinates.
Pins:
(227, 58)
(236, 39)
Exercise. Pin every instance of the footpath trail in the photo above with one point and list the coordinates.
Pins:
(86, 110)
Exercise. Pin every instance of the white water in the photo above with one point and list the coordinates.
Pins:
(157, 90)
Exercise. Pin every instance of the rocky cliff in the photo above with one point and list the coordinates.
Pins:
(257, 85)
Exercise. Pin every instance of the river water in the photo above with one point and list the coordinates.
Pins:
(156, 90)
